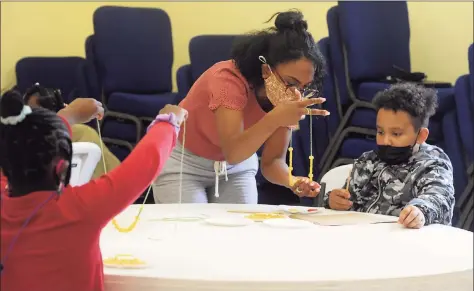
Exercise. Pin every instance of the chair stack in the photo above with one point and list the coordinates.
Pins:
(131, 52)
(464, 94)
(64, 73)
(204, 52)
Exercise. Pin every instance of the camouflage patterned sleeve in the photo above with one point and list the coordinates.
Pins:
(435, 192)
(359, 177)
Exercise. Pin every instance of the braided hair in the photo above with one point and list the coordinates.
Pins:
(32, 141)
(47, 98)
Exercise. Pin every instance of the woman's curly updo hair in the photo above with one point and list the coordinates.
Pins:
(288, 40)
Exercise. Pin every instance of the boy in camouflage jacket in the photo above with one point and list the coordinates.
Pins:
(404, 177)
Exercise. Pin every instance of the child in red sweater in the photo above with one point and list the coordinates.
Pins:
(50, 230)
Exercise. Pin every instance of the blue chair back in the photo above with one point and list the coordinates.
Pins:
(92, 76)
(376, 36)
(133, 49)
(470, 56)
(206, 50)
(62, 73)
(367, 38)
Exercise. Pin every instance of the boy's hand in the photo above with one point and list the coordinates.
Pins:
(339, 199)
(412, 217)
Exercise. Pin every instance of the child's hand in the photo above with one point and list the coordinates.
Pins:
(180, 113)
(412, 217)
(339, 199)
(82, 110)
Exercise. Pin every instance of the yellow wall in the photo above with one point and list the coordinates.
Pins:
(441, 32)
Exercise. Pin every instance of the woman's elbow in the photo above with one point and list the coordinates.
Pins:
(233, 159)
(234, 156)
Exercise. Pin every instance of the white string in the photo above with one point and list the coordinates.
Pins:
(101, 146)
(180, 189)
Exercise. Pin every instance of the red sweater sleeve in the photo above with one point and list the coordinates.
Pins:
(100, 200)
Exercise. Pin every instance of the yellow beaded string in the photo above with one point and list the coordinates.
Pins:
(290, 167)
(291, 180)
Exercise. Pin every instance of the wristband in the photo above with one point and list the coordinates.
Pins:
(169, 117)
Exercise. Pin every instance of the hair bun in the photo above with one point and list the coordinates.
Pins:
(11, 104)
(291, 20)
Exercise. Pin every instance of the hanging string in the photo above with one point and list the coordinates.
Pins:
(180, 189)
(137, 217)
(290, 166)
(311, 157)
(291, 180)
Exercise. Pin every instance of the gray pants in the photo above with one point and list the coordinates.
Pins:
(236, 184)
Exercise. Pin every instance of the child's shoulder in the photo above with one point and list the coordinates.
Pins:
(370, 156)
(430, 154)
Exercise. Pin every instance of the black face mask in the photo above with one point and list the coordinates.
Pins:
(394, 155)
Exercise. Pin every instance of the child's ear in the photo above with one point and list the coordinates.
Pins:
(423, 135)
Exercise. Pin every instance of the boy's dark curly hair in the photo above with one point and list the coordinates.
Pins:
(419, 102)
(288, 41)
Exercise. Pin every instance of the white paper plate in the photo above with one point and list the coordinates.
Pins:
(287, 223)
(299, 209)
(229, 221)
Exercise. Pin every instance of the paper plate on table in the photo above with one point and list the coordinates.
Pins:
(298, 209)
(180, 218)
(287, 223)
(124, 262)
(229, 221)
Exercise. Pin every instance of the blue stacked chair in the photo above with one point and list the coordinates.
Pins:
(122, 130)
(62, 73)
(369, 43)
(464, 94)
(91, 81)
(204, 52)
(132, 51)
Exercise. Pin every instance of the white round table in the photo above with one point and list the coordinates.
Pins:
(198, 256)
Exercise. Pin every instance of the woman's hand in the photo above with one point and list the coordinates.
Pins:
(303, 187)
(290, 113)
